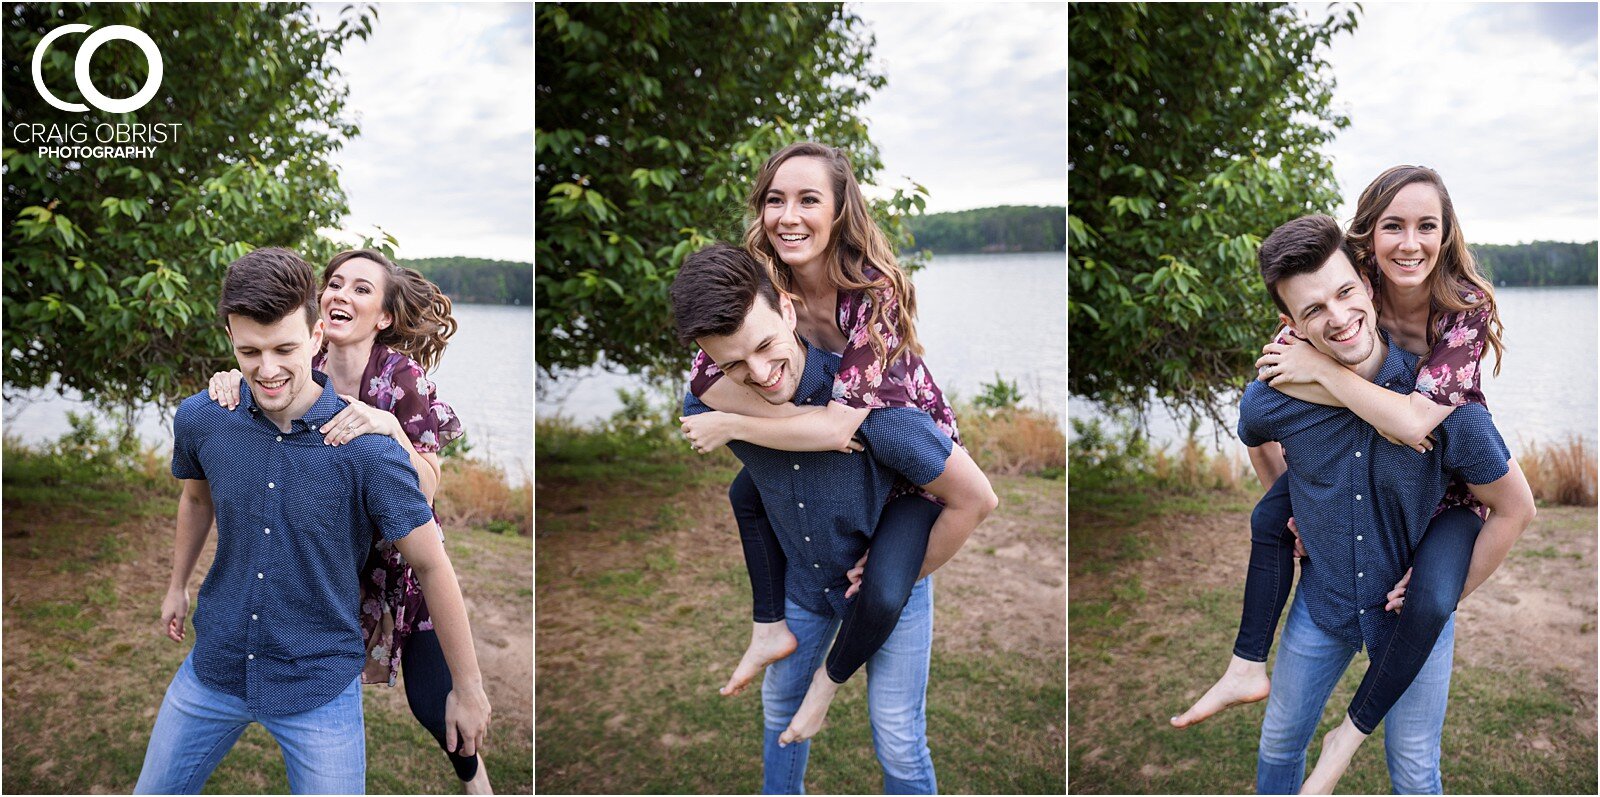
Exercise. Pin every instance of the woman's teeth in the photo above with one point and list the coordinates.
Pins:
(1408, 263)
(793, 238)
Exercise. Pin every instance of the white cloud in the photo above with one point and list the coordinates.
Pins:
(975, 105)
(444, 98)
(1501, 99)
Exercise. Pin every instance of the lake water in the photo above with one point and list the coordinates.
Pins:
(976, 315)
(1546, 389)
(487, 375)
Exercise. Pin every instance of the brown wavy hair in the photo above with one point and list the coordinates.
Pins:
(419, 311)
(854, 243)
(1455, 270)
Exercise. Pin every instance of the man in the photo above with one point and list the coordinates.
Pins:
(1361, 505)
(823, 507)
(277, 631)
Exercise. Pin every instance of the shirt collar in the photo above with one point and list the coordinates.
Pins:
(328, 404)
(816, 380)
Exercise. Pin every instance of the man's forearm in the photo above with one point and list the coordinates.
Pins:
(194, 524)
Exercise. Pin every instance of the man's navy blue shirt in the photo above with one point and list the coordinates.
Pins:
(1361, 503)
(277, 620)
(824, 505)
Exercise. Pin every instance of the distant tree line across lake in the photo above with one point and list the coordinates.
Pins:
(1538, 263)
(1007, 228)
(476, 280)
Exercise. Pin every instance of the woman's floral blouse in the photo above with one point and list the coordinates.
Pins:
(391, 599)
(865, 379)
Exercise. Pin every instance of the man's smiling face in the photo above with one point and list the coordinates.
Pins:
(1332, 309)
(763, 354)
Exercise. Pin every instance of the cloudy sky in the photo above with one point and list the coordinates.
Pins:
(1500, 99)
(444, 97)
(975, 107)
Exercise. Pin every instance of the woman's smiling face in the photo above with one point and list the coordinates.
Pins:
(798, 211)
(352, 301)
(1408, 236)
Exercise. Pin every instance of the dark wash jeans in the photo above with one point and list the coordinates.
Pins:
(898, 546)
(1439, 572)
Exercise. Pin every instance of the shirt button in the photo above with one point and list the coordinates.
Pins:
(827, 589)
(808, 539)
(815, 564)
(1358, 538)
(802, 505)
(261, 575)
(1358, 454)
(1358, 496)
(252, 617)
(280, 438)
(270, 485)
(797, 466)
(266, 531)
(1361, 575)
(251, 657)
(1361, 611)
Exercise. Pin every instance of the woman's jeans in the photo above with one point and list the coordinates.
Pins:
(1439, 572)
(897, 698)
(899, 545)
(1310, 662)
(325, 749)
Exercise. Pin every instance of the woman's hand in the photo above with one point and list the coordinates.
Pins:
(1294, 362)
(359, 419)
(1397, 596)
(224, 388)
(708, 431)
(854, 575)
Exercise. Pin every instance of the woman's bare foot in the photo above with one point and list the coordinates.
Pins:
(1338, 747)
(1245, 682)
(808, 720)
(768, 643)
(480, 782)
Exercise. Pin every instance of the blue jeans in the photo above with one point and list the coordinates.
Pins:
(897, 695)
(1310, 661)
(899, 545)
(325, 749)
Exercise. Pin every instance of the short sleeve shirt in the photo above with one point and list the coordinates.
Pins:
(1361, 503)
(276, 621)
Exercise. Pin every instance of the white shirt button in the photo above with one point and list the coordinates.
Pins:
(261, 575)
(1358, 454)
(251, 656)
(266, 531)
(797, 467)
(252, 617)
(1358, 538)
(1358, 496)
(827, 589)
(270, 485)
(1361, 611)
(808, 539)
(280, 438)
(802, 505)
(815, 564)
(1361, 575)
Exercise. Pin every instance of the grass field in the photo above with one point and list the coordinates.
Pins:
(86, 555)
(644, 608)
(1156, 577)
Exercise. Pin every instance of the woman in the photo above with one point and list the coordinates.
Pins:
(384, 327)
(810, 227)
(1432, 302)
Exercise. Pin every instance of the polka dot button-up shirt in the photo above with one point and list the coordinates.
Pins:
(824, 505)
(276, 621)
(1362, 503)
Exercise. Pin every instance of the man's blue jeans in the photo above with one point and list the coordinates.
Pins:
(1310, 661)
(897, 696)
(325, 749)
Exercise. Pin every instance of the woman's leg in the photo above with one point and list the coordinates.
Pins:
(1438, 574)
(770, 638)
(1267, 584)
(898, 547)
(427, 679)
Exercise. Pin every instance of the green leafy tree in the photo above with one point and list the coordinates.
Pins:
(1195, 130)
(1538, 263)
(113, 265)
(1006, 228)
(653, 121)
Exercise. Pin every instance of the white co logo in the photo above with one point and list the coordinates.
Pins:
(152, 84)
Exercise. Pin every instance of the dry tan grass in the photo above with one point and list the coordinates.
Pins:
(1560, 473)
(1014, 441)
(474, 493)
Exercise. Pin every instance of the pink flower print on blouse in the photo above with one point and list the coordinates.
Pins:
(1460, 336)
(1425, 382)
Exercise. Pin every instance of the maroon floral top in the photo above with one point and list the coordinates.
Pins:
(391, 599)
(866, 380)
(1449, 376)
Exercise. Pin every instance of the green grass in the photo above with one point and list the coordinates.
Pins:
(85, 668)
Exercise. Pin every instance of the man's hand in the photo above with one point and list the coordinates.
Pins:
(854, 574)
(466, 720)
(1397, 596)
(174, 610)
(1299, 550)
(359, 419)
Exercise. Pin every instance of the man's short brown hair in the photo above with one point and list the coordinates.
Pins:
(714, 291)
(267, 285)
(1300, 247)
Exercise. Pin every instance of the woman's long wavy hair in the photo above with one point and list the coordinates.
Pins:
(1455, 270)
(421, 323)
(854, 243)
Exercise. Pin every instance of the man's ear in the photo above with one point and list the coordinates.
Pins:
(786, 309)
(1365, 283)
(1286, 321)
(316, 337)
